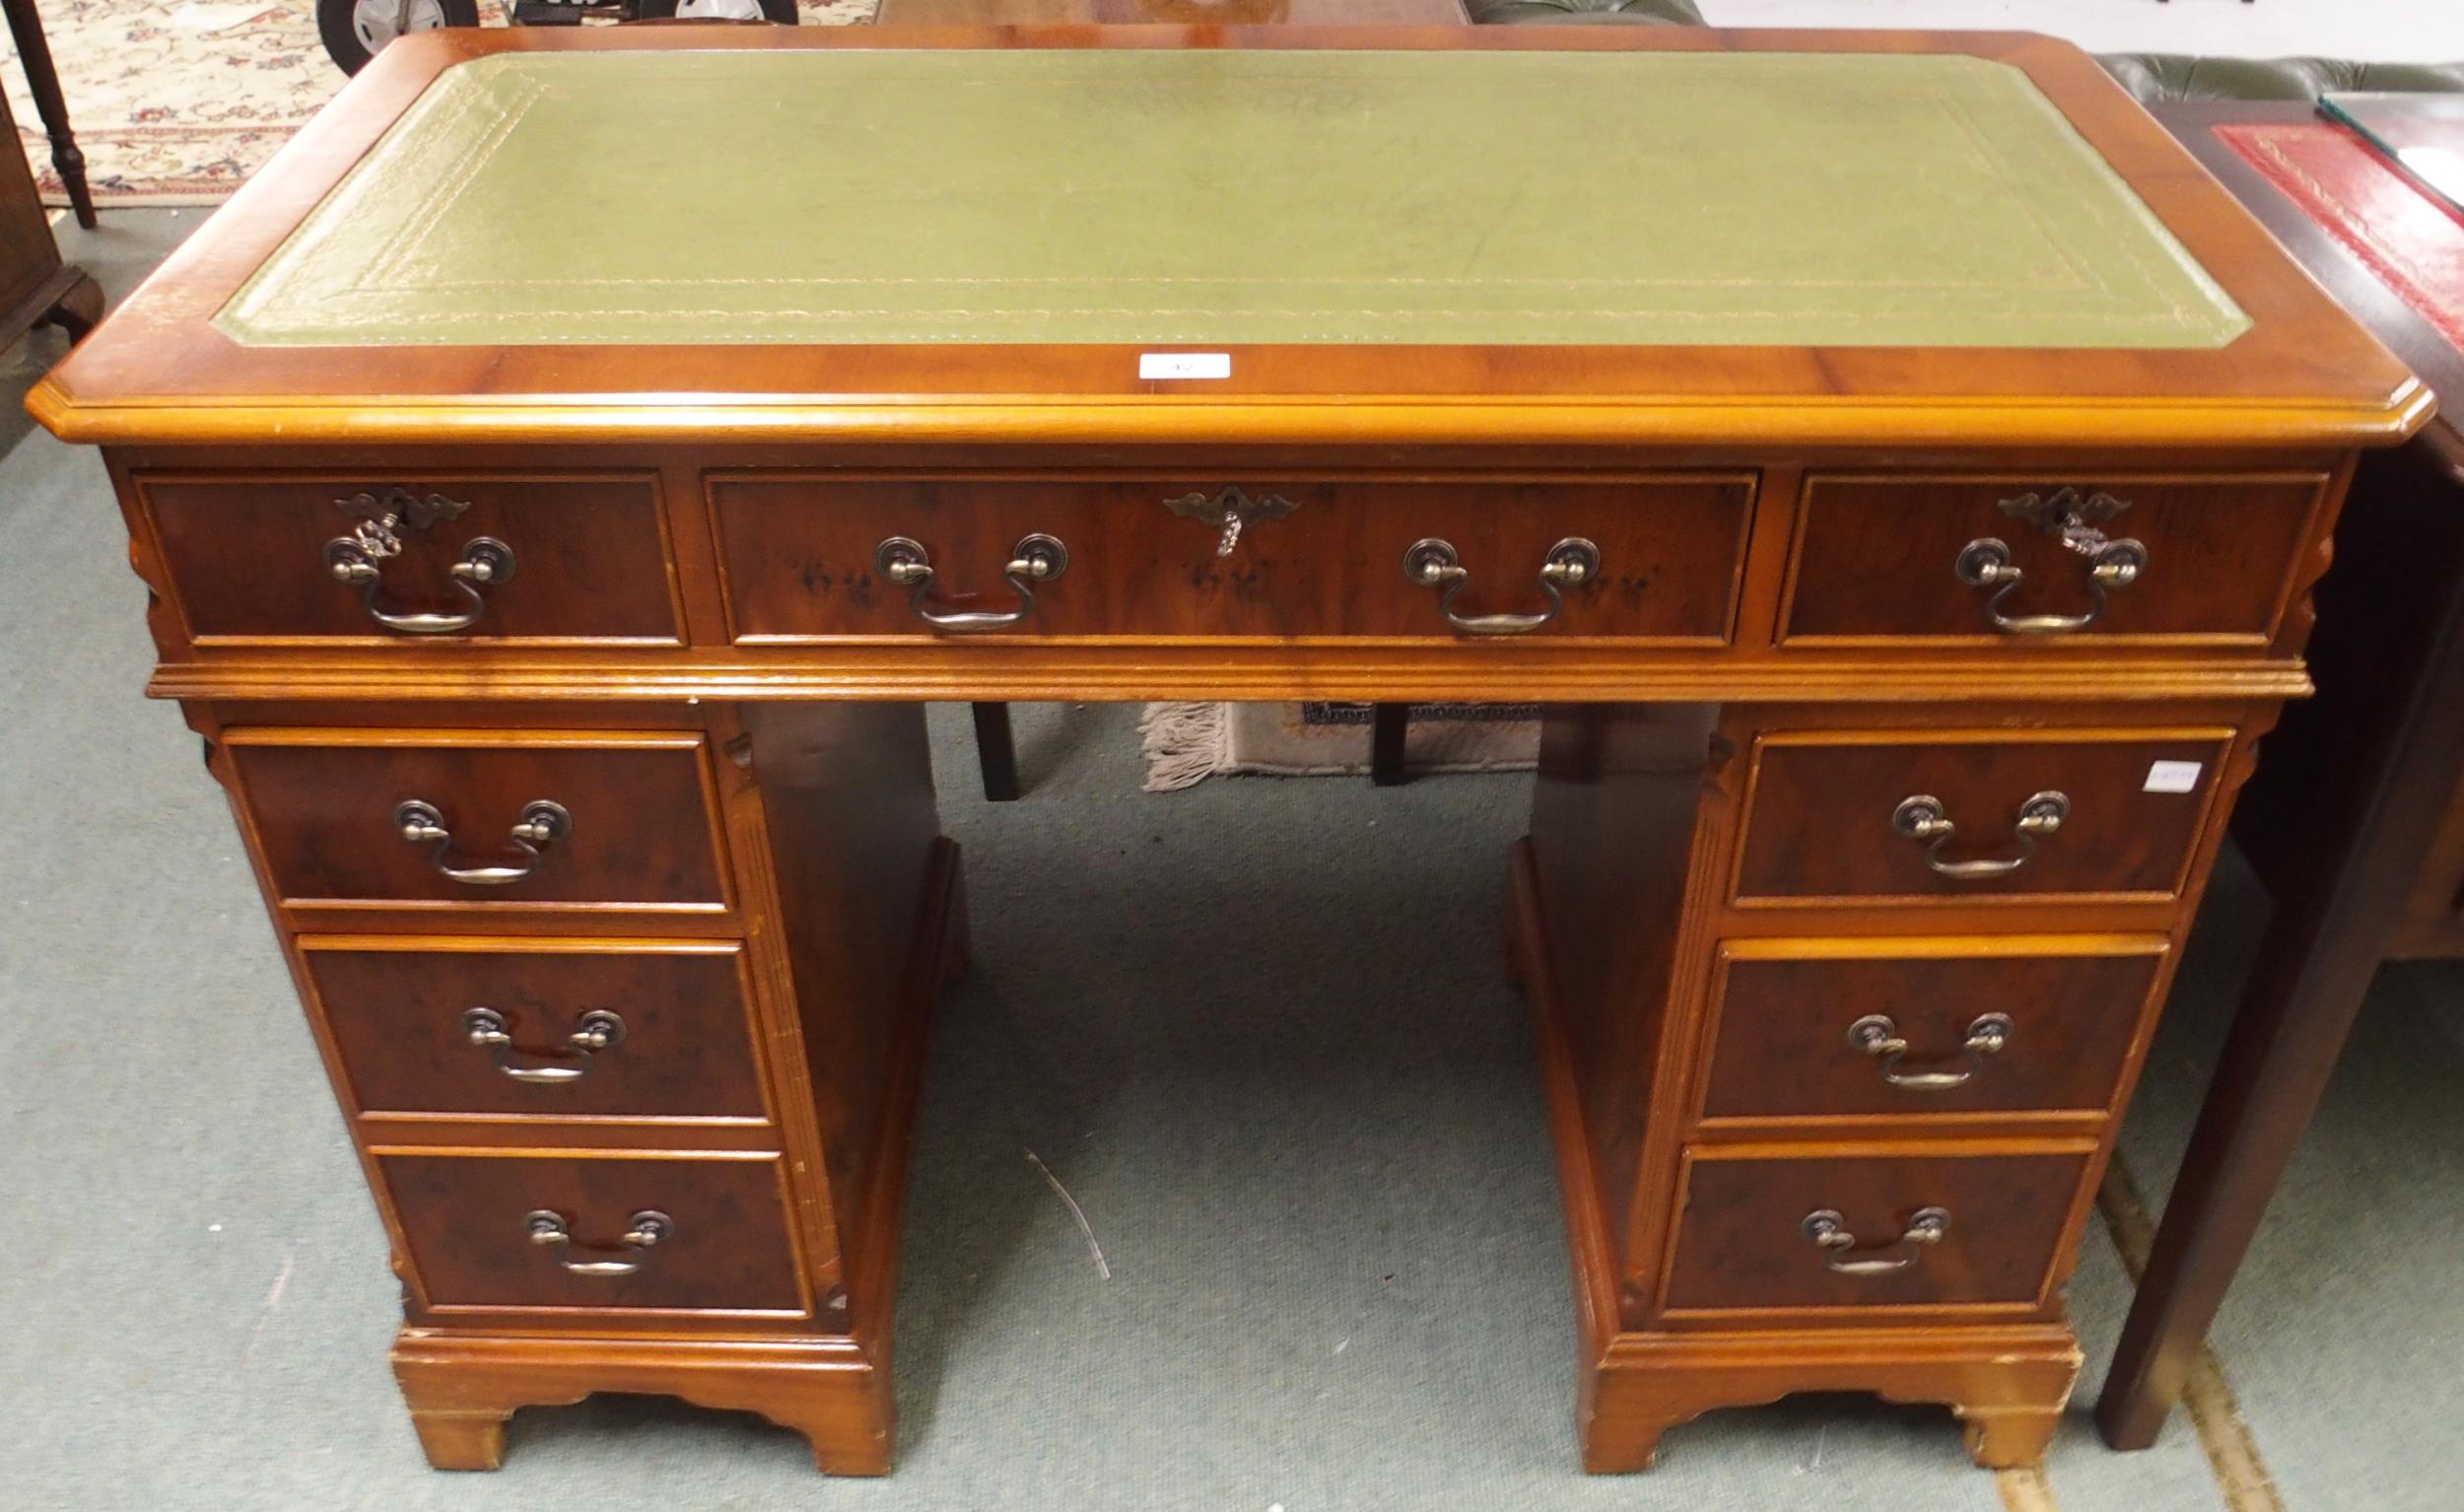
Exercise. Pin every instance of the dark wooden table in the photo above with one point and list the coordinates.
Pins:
(42, 81)
(36, 287)
(2342, 819)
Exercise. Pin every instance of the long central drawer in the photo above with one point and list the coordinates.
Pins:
(804, 556)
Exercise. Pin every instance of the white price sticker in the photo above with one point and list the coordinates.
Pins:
(2173, 776)
(1184, 364)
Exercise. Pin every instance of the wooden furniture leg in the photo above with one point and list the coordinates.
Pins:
(2006, 1388)
(1387, 724)
(77, 308)
(36, 287)
(2333, 921)
(42, 81)
(461, 1391)
(69, 299)
(996, 753)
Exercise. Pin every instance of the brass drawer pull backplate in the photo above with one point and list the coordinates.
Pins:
(1877, 1036)
(594, 1031)
(1829, 1232)
(648, 1227)
(543, 822)
(1435, 564)
(1036, 559)
(1921, 816)
(1985, 562)
(356, 559)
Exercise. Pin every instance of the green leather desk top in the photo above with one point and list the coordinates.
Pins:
(850, 195)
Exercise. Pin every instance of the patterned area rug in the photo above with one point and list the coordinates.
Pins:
(1186, 743)
(175, 102)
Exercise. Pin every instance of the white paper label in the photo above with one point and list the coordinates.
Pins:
(2172, 776)
(1184, 364)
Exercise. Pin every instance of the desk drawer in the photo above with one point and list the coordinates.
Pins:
(572, 558)
(503, 818)
(1911, 1027)
(1843, 816)
(1748, 1230)
(468, 1220)
(802, 556)
(1881, 558)
(588, 1028)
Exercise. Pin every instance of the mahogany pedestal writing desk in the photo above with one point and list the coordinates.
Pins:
(1898, 469)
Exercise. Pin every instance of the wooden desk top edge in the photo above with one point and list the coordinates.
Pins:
(2305, 376)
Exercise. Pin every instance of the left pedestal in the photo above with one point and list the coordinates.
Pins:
(626, 1006)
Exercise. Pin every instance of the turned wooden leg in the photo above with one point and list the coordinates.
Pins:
(42, 81)
(996, 753)
(461, 1438)
(1520, 929)
(2008, 1438)
(1387, 724)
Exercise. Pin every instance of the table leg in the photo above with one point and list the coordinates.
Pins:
(996, 753)
(79, 307)
(69, 299)
(1388, 723)
(42, 81)
(2333, 922)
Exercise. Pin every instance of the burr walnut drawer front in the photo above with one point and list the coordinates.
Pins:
(1855, 1231)
(1815, 1028)
(1643, 557)
(483, 819)
(2207, 560)
(411, 559)
(1840, 816)
(570, 1028)
(551, 1229)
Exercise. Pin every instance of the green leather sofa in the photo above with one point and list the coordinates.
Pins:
(2150, 76)
(1578, 13)
(2155, 76)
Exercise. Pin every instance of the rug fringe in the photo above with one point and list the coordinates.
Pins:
(1184, 743)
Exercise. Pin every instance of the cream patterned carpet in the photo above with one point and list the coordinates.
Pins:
(175, 102)
(1186, 743)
